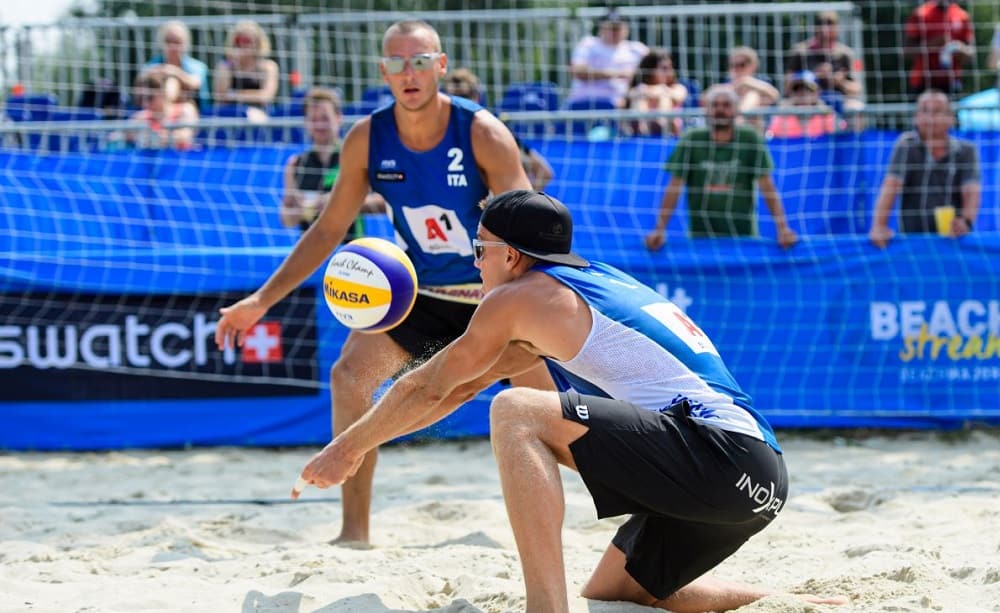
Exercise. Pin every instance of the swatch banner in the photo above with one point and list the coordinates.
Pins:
(79, 346)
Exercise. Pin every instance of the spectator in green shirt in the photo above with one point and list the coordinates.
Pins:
(719, 164)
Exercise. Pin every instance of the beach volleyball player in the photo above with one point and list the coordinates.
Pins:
(434, 158)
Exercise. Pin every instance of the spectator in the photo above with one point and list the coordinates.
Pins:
(463, 83)
(185, 78)
(602, 65)
(802, 93)
(247, 76)
(309, 176)
(719, 164)
(830, 60)
(939, 40)
(655, 88)
(754, 93)
(157, 113)
(930, 170)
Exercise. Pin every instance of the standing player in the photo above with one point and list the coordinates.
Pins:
(434, 158)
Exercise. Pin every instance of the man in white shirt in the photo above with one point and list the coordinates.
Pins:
(602, 65)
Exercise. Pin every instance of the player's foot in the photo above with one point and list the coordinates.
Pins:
(351, 543)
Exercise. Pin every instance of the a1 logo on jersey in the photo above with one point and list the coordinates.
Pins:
(456, 169)
(263, 344)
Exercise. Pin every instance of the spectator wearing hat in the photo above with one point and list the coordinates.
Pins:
(602, 66)
(802, 93)
(830, 60)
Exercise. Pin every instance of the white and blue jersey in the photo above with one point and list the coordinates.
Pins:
(433, 195)
(644, 350)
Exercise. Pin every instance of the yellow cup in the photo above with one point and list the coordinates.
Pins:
(943, 216)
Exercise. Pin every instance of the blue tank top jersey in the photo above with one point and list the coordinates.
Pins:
(643, 349)
(433, 195)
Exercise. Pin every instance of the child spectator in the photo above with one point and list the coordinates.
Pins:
(157, 112)
(802, 93)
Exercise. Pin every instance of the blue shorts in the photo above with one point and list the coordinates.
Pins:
(696, 493)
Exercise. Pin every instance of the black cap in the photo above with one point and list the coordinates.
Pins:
(535, 224)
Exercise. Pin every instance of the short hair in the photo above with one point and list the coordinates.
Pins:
(463, 83)
(318, 95)
(929, 93)
(253, 29)
(721, 89)
(747, 52)
(411, 26)
(174, 25)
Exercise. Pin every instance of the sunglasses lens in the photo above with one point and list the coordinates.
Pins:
(421, 62)
(394, 65)
(478, 250)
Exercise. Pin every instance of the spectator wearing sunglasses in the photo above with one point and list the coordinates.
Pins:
(247, 76)
(831, 61)
(802, 94)
(754, 93)
(433, 157)
(185, 78)
(463, 83)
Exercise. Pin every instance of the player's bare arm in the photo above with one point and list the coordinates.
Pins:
(497, 154)
(313, 247)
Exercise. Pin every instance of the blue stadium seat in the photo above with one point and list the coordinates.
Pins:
(377, 96)
(694, 93)
(529, 97)
(30, 107)
(584, 127)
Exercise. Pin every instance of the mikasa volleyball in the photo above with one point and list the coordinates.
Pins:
(370, 285)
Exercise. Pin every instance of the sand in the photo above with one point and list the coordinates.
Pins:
(902, 522)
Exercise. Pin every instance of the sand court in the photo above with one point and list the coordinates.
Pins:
(906, 522)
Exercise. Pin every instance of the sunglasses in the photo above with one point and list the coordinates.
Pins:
(739, 63)
(419, 62)
(826, 22)
(479, 247)
(243, 40)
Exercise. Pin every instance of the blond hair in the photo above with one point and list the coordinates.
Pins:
(177, 26)
(411, 26)
(253, 29)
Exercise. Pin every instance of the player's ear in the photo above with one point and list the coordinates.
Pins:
(443, 64)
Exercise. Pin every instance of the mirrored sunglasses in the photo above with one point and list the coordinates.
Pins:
(420, 62)
(479, 247)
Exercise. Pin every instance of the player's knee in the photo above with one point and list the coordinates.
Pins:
(506, 412)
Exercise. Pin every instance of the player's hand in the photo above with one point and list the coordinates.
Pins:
(236, 320)
(655, 240)
(787, 237)
(880, 236)
(327, 468)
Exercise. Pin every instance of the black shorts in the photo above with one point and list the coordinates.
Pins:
(696, 493)
(432, 324)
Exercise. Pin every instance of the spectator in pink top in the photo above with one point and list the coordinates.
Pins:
(802, 93)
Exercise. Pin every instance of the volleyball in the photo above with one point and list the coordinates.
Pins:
(370, 285)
